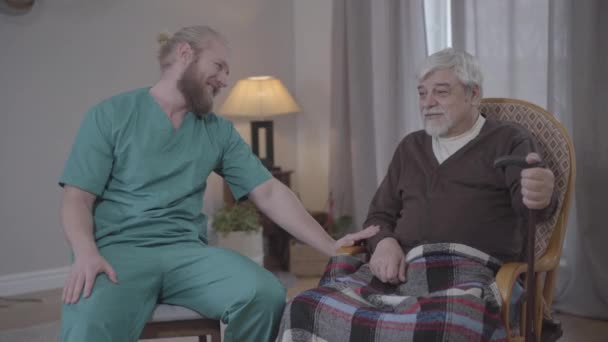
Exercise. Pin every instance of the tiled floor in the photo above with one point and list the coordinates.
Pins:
(46, 308)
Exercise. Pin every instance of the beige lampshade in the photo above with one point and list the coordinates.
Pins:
(259, 97)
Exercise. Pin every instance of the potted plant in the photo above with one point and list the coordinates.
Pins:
(238, 227)
(340, 226)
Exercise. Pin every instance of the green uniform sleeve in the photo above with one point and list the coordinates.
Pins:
(241, 169)
(89, 164)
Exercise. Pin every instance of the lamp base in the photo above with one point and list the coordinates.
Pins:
(262, 144)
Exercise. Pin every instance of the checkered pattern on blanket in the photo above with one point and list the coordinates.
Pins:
(450, 295)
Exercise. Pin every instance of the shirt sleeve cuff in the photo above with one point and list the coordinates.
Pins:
(548, 212)
(372, 242)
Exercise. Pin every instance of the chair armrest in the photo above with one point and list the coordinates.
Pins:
(352, 250)
(505, 279)
(508, 273)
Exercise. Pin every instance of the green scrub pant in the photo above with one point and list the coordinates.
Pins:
(215, 282)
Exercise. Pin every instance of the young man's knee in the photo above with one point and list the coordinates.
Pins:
(269, 292)
(276, 294)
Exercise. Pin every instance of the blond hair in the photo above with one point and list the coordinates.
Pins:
(198, 37)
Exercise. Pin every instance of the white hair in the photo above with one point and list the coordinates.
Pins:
(465, 66)
(198, 37)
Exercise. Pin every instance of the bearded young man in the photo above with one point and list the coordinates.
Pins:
(448, 218)
(133, 190)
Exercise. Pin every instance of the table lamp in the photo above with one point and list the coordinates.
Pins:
(258, 98)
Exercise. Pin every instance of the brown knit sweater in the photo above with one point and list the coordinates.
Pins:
(463, 200)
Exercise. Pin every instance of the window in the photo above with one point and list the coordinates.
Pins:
(438, 24)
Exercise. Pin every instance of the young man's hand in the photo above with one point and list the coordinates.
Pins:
(388, 262)
(82, 275)
(351, 239)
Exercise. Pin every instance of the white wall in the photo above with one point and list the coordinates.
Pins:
(65, 56)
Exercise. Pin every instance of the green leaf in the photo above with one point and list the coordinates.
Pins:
(240, 217)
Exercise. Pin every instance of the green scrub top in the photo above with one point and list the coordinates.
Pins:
(149, 178)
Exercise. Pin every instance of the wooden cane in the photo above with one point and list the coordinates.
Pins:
(530, 334)
(531, 278)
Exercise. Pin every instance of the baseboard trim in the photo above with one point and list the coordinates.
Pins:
(19, 283)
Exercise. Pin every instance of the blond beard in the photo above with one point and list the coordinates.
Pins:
(194, 91)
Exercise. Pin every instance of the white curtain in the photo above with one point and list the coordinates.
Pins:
(510, 40)
(376, 47)
(551, 53)
(577, 91)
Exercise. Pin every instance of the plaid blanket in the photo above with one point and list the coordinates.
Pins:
(450, 295)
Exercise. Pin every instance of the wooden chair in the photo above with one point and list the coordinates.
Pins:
(175, 321)
(557, 152)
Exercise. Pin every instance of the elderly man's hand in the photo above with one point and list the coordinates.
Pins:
(536, 184)
(388, 262)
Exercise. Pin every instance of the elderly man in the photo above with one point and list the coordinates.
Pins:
(133, 189)
(447, 220)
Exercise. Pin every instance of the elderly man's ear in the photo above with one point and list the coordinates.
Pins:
(475, 95)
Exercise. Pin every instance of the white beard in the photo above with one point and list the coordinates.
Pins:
(435, 130)
(437, 127)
